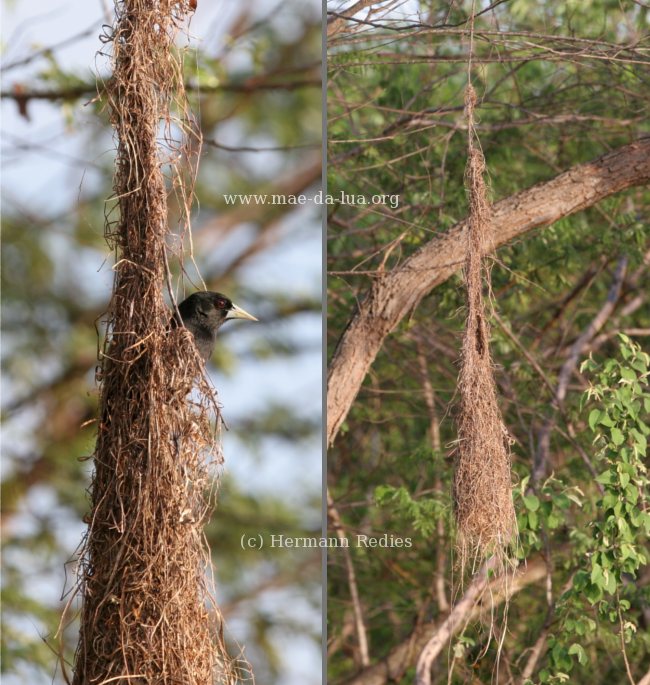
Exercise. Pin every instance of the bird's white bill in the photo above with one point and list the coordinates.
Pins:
(236, 312)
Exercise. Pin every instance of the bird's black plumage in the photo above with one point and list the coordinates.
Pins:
(203, 313)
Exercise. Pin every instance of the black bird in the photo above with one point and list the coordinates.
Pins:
(203, 313)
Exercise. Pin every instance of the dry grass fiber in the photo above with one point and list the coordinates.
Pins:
(485, 516)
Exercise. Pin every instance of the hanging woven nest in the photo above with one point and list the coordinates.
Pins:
(485, 515)
(148, 609)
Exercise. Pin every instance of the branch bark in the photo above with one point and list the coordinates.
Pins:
(397, 292)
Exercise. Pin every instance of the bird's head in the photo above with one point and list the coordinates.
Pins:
(210, 310)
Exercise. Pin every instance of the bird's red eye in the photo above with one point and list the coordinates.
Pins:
(221, 304)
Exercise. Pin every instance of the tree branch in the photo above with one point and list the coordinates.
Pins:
(397, 292)
(436, 445)
(359, 624)
(405, 654)
(570, 365)
(23, 95)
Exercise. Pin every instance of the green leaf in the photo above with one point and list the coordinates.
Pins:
(640, 441)
(561, 656)
(605, 478)
(610, 583)
(597, 577)
(610, 499)
(628, 374)
(594, 417)
(553, 521)
(593, 593)
(383, 492)
(580, 580)
(628, 552)
(577, 650)
(531, 502)
(646, 522)
(617, 436)
(606, 420)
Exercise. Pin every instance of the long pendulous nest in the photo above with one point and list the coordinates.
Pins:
(148, 611)
(485, 516)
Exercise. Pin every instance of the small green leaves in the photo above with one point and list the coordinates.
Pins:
(422, 513)
(614, 544)
(547, 509)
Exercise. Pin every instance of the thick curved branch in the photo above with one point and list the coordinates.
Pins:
(397, 292)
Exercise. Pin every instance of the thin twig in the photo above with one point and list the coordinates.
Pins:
(434, 435)
(352, 582)
(570, 365)
(628, 670)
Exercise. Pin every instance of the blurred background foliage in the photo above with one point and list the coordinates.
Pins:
(558, 84)
(254, 84)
